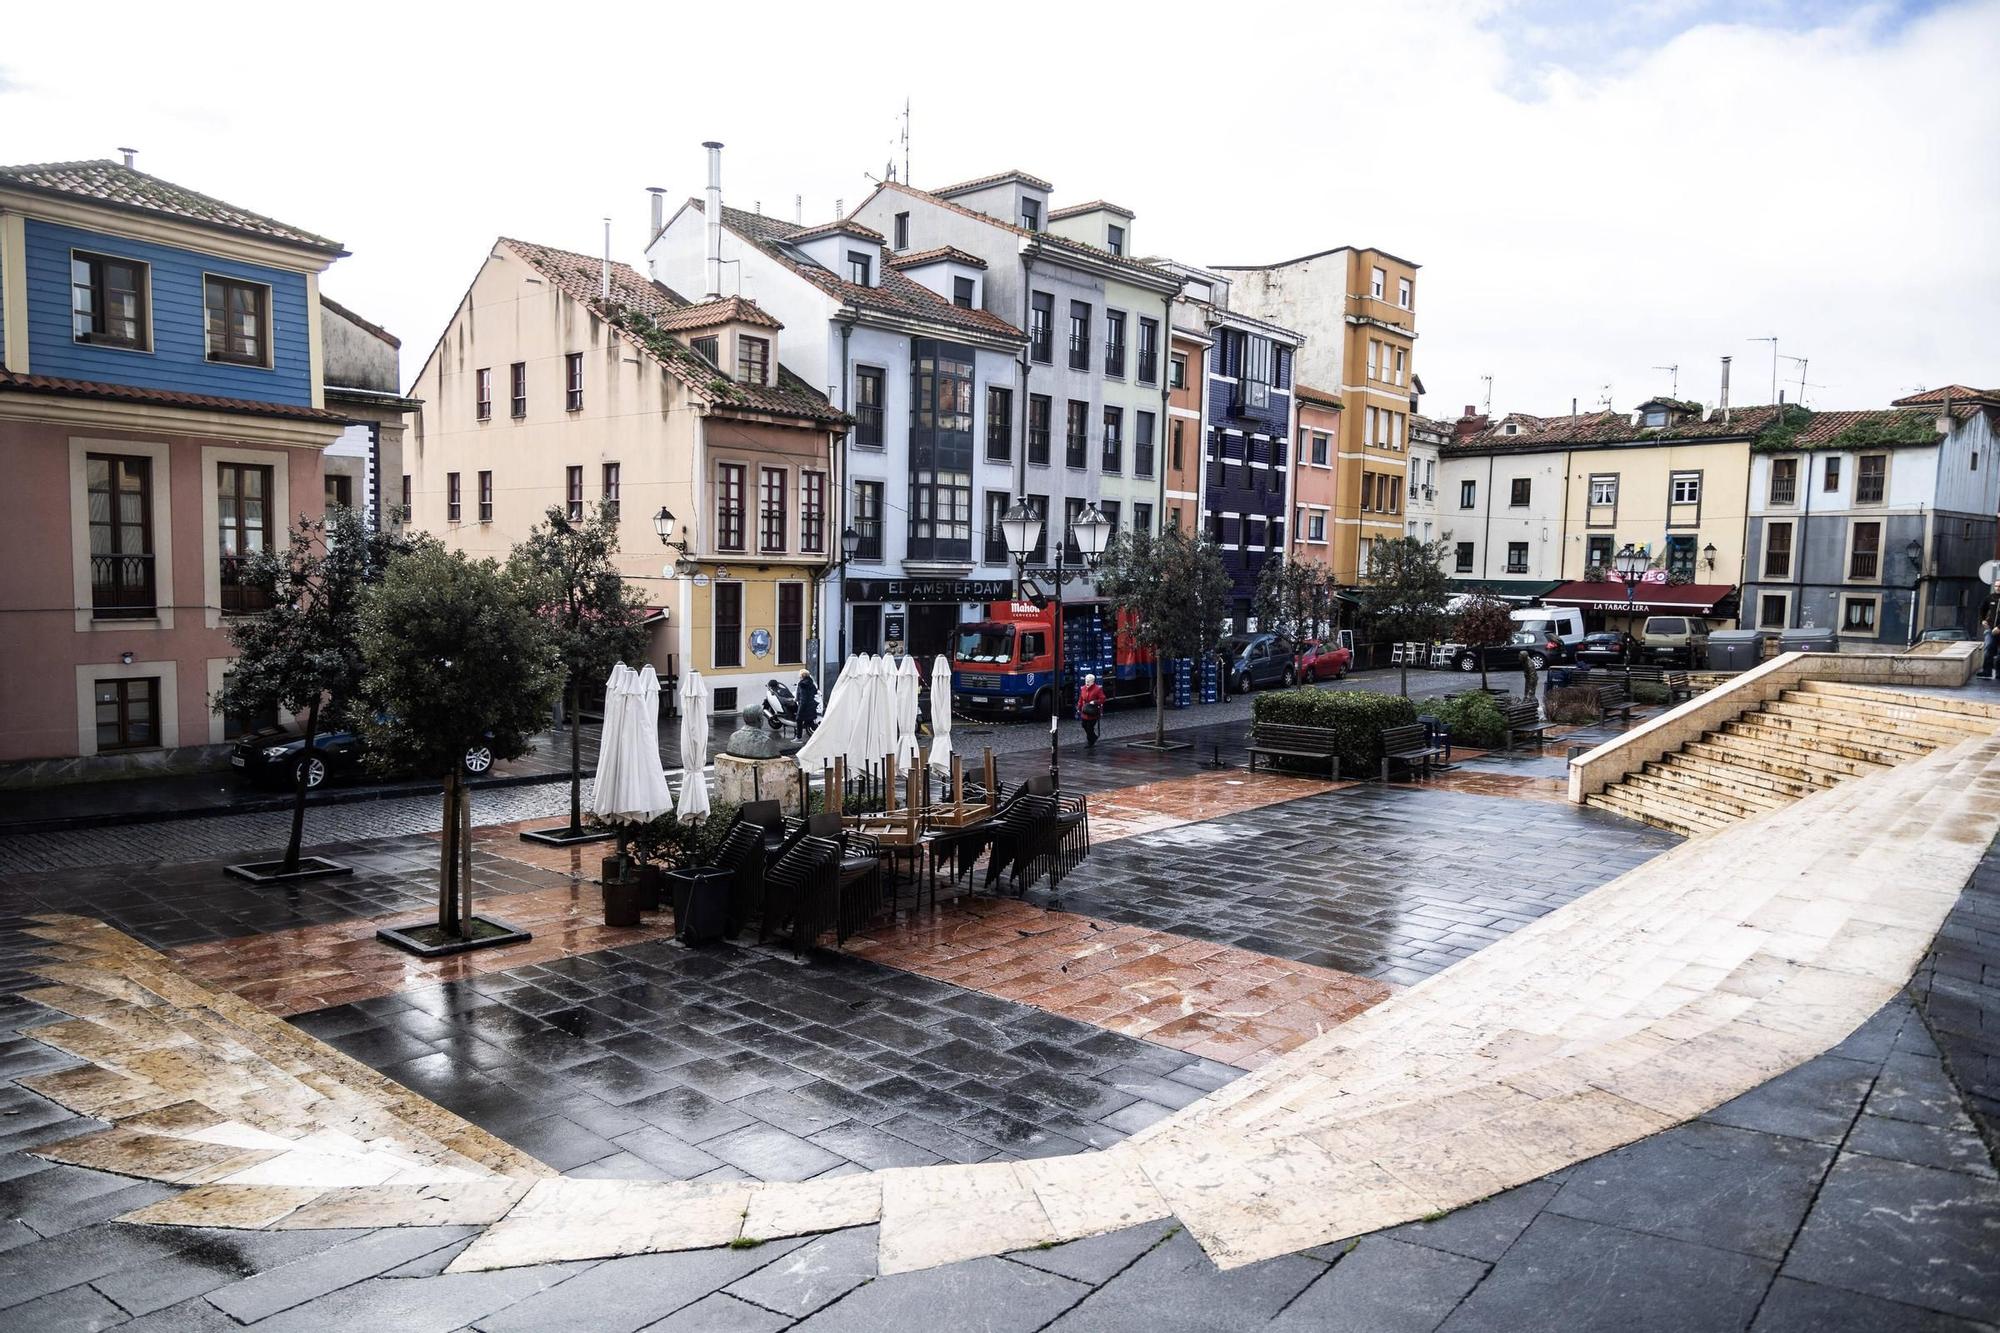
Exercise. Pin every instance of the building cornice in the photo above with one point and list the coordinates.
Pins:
(143, 226)
(99, 414)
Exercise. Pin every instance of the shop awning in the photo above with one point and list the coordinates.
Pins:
(1508, 590)
(1649, 598)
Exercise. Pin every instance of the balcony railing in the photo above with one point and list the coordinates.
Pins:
(1114, 358)
(238, 597)
(121, 587)
(1079, 450)
(1862, 565)
(1079, 353)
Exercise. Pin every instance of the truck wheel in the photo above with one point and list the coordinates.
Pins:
(1044, 705)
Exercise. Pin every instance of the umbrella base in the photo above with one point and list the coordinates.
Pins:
(564, 836)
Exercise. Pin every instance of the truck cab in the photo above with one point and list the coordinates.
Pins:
(1021, 660)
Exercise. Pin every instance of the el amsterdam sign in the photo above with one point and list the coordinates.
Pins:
(928, 590)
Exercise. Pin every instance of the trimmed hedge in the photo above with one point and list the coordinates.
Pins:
(1474, 719)
(1573, 703)
(1649, 692)
(1355, 718)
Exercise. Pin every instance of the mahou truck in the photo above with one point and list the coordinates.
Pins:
(1019, 661)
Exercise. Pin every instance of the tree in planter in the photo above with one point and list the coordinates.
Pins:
(1177, 592)
(564, 569)
(453, 656)
(301, 656)
(1293, 599)
(1483, 621)
(1407, 590)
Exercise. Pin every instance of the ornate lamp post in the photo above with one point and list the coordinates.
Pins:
(1631, 563)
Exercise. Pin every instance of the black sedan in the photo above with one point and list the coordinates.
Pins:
(1608, 648)
(274, 757)
(1524, 645)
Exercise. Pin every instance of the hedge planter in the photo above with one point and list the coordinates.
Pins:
(1357, 720)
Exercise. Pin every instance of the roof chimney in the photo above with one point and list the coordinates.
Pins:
(713, 210)
(659, 212)
(131, 156)
(604, 273)
(1724, 404)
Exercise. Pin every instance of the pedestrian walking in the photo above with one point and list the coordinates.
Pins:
(1989, 637)
(808, 703)
(1090, 709)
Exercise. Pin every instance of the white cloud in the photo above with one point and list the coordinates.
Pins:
(1578, 222)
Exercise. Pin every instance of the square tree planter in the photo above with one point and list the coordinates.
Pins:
(273, 872)
(427, 941)
(560, 836)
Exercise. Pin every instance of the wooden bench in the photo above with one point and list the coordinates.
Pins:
(1615, 700)
(1523, 720)
(1282, 740)
(1678, 683)
(1409, 746)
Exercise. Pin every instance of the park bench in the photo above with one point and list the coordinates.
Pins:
(1285, 740)
(1523, 719)
(1410, 746)
(1615, 700)
(1679, 684)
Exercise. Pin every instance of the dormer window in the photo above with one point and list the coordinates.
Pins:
(1031, 214)
(1654, 416)
(708, 348)
(860, 268)
(1114, 240)
(961, 292)
(1510, 429)
(753, 359)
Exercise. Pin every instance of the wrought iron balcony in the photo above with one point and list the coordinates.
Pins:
(238, 597)
(122, 588)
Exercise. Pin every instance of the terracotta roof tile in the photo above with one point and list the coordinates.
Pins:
(637, 309)
(12, 381)
(1955, 392)
(1533, 433)
(937, 255)
(1825, 426)
(708, 314)
(980, 182)
(1095, 205)
(898, 294)
(103, 181)
(1325, 397)
(839, 227)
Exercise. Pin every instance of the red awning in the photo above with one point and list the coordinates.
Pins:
(1690, 598)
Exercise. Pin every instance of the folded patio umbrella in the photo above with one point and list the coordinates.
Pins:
(630, 785)
(941, 715)
(694, 746)
(606, 775)
(908, 684)
(829, 739)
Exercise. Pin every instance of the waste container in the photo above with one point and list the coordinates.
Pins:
(701, 903)
(1808, 641)
(1734, 649)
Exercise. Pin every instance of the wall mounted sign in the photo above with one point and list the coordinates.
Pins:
(760, 642)
(701, 580)
(927, 590)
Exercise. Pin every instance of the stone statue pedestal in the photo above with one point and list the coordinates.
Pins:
(739, 780)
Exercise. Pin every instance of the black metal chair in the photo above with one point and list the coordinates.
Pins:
(802, 893)
(742, 854)
(768, 816)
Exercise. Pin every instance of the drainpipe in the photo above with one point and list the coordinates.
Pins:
(846, 332)
(1164, 368)
(1021, 455)
(1486, 543)
(1799, 558)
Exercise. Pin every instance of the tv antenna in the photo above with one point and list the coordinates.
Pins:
(1486, 407)
(1774, 366)
(1800, 362)
(1674, 379)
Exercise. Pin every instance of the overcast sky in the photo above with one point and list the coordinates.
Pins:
(1593, 190)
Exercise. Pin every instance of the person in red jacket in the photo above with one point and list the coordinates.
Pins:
(1090, 709)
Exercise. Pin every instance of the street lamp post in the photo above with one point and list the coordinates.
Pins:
(1630, 563)
(1022, 528)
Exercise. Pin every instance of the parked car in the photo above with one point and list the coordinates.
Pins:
(1608, 648)
(1320, 660)
(1256, 660)
(1538, 648)
(1681, 640)
(1564, 624)
(273, 757)
(1953, 634)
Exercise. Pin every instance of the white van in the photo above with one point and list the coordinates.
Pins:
(1564, 624)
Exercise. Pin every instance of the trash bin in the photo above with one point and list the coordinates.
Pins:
(1734, 649)
(701, 903)
(1808, 641)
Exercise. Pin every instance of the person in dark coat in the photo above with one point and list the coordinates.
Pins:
(808, 704)
(1090, 709)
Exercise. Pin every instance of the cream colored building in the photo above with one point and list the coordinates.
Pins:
(563, 380)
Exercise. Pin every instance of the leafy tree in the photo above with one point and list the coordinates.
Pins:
(1407, 589)
(454, 656)
(301, 655)
(1483, 621)
(1294, 598)
(565, 570)
(1175, 588)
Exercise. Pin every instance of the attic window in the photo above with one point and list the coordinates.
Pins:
(1114, 240)
(753, 360)
(1654, 416)
(708, 348)
(859, 268)
(1510, 429)
(1031, 214)
(961, 292)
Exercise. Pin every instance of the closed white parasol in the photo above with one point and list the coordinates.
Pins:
(694, 746)
(941, 714)
(630, 786)
(908, 685)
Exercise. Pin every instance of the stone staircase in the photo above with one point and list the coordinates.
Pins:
(1808, 739)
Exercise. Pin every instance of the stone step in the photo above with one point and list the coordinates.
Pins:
(1625, 806)
(1698, 758)
(1698, 779)
(1702, 795)
(1655, 807)
(1873, 719)
(1979, 710)
(1784, 757)
(1880, 750)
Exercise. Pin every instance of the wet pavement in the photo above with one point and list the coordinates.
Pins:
(1852, 1193)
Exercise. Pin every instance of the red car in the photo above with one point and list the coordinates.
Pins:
(1323, 661)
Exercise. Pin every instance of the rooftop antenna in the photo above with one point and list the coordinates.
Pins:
(906, 139)
(1604, 398)
(1486, 406)
(1801, 363)
(799, 209)
(1674, 373)
(1774, 365)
